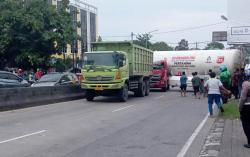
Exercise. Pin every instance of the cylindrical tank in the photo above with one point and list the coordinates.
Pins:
(199, 60)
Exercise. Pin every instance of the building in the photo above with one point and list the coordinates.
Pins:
(86, 15)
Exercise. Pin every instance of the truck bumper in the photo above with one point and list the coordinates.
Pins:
(102, 87)
(157, 85)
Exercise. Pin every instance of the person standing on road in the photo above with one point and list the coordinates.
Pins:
(244, 107)
(183, 82)
(213, 86)
(235, 84)
(196, 82)
(241, 78)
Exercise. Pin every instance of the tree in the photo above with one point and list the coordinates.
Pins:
(99, 39)
(214, 46)
(161, 46)
(143, 40)
(182, 45)
(31, 31)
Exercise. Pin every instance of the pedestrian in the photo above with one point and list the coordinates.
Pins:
(241, 78)
(38, 74)
(196, 82)
(31, 76)
(225, 78)
(202, 88)
(244, 107)
(235, 89)
(213, 86)
(183, 82)
(210, 71)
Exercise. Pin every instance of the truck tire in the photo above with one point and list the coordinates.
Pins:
(165, 88)
(90, 95)
(147, 88)
(168, 87)
(141, 91)
(123, 93)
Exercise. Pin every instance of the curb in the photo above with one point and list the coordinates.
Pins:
(213, 141)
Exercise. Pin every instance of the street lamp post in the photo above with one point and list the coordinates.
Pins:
(147, 36)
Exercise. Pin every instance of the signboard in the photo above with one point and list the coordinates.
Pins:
(238, 22)
(219, 36)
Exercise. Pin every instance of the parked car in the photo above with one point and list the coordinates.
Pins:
(10, 80)
(78, 73)
(56, 79)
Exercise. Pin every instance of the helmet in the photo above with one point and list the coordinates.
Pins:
(223, 68)
(247, 70)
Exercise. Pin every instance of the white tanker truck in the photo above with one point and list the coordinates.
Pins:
(198, 61)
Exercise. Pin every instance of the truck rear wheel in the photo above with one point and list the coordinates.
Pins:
(123, 93)
(147, 88)
(90, 95)
(141, 91)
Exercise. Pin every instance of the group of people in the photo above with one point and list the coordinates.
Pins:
(238, 84)
(197, 84)
(30, 75)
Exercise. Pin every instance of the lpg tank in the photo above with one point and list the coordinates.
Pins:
(199, 61)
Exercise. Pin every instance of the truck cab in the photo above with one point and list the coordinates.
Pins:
(160, 75)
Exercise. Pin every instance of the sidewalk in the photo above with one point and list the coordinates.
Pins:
(233, 140)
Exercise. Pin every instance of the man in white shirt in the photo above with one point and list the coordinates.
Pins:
(213, 86)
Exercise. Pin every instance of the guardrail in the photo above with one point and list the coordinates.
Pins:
(13, 98)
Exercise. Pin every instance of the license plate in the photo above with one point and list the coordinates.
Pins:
(98, 88)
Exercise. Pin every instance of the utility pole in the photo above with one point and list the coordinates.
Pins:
(196, 45)
(132, 37)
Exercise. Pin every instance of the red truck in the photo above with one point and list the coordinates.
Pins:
(160, 77)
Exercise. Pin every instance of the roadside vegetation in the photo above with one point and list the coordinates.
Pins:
(231, 110)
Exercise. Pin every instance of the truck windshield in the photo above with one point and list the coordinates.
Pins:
(101, 59)
(158, 66)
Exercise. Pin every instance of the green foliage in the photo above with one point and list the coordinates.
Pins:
(231, 110)
(31, 31)
(143, 40)
(182, 45)
(161, 46)
(61, 64)
(214, 46)
(99, 39)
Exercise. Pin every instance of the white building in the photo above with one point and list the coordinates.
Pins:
(86, 15)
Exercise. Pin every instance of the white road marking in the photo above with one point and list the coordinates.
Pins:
(123, 108)
(24, 136)
(185, 148)
(159, 97)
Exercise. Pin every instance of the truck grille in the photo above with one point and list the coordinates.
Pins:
(155, 79)
(99, 78)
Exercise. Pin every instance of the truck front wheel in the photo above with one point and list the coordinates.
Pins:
(90, 95)
(123, 93)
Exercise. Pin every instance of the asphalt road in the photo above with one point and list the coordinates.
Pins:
(155, 126)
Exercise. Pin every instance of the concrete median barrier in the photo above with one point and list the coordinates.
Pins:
(13, 98)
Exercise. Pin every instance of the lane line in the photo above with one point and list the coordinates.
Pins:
(123, 108)
(159, 97)
(187, 145)
(24, 136)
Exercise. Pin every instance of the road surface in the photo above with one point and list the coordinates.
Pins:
(155, 126)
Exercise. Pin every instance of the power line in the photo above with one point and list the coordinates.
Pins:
(190, 28)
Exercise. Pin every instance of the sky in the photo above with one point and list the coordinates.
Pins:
(121, 17)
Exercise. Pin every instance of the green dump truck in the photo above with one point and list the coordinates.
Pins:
(114, 68)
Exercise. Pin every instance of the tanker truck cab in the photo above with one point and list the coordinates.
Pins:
(105, 73)
(160, 75)
(114, 68)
